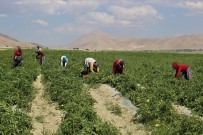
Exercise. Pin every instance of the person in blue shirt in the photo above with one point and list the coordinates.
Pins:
(64, 60)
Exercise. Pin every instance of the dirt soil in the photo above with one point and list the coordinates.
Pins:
(45, 118)
(184, 111)
(124, 122)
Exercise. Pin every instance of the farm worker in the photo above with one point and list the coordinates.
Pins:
(64, 60)
(40, 55)
(184, 69)
(17, 56)
(118, 67)
(90, 65)
(37, 50)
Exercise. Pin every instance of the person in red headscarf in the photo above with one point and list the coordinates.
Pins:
(118, 67)
(184, 69)
(17, 56)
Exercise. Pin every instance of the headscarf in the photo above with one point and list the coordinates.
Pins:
(96, 64)
(175, 65)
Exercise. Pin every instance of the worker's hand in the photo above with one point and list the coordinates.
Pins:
(92, 71)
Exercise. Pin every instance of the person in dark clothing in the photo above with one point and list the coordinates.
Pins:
(40, 55)
(17, 58)
(184, 69)
(118, 67)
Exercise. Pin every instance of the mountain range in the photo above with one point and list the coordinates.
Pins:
(103, 41)
(9, 42)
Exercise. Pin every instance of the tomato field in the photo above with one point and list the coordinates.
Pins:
(151, 70)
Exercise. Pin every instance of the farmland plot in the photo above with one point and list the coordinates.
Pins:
(16, 93)
(152, 71)
(45, 117)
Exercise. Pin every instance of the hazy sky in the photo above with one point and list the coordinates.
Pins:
(59, 22)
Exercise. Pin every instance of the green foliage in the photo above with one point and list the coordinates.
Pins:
(148, 81)
(16, 90)
(13, 122)
(66, 87)
(114, 108)
(40, 119)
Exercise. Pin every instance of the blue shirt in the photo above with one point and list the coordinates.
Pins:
(64, 58)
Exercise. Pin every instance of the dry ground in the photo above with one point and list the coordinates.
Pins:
(185, 111)
(45, 118)
(124, 122)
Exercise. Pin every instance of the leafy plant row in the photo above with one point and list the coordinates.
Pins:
(66, 87)
(152, 71)
(16, 93)
(148, 82)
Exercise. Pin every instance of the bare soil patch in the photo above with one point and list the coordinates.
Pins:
(124, 122)
(45, 118)
(184, 111)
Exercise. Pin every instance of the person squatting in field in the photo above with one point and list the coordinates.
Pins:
(64, 60)
(184, 69)
(40, 55)
(17, 58)
(90, 65)
(118, 67)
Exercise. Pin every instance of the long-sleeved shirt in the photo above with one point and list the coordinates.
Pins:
(40, 54)
(116, 65)
(89, 62)
(64, 58)
(179, 68)
(17, 53)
